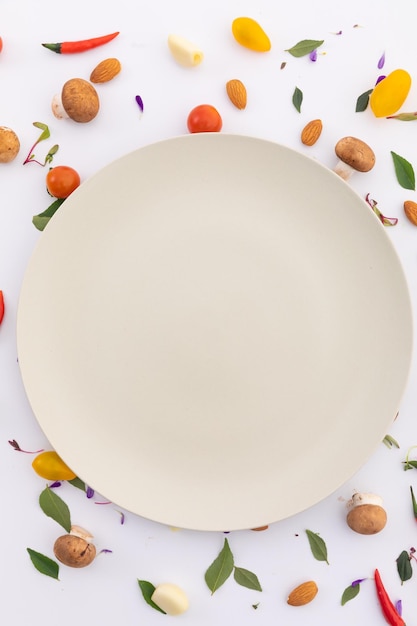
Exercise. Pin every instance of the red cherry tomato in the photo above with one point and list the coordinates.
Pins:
(204, 119)
(61, 181)
(1, 44)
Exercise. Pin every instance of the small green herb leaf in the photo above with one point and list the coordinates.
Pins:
(53, 506)
(305, 46)
(350, 593)
(221, 568)
(405, 571)
(390, 442)
(147, 590)
(44, 564)
(363, 101)
(404, 172)
(247, 579)
(408, 465)
(404, 117)
(41, 220)
(78, 483)
(414, 503)
(318, 546)
(297, 99)
(45, 131)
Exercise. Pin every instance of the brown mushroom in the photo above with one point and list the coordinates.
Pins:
(354, 155)
(366, 515)
(78, 101)
(74, 551)
(9, 144)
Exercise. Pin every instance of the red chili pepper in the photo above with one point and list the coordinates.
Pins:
(388, 609)
(1, 44)
(1, 306)
(70, 47)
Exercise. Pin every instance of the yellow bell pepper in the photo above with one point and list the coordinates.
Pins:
(250, 34)
(390, 93)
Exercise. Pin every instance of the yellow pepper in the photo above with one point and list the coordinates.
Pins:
(250, 34)
(49, 465)
(390, 93)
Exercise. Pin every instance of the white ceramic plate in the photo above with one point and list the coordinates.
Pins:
(214, 332)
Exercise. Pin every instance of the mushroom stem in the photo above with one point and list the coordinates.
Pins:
(58, 108)
(343, 170)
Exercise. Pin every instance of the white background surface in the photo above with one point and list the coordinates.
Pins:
(30, 75)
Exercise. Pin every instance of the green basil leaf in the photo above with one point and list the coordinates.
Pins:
(41, 220)
(147, 590)
(405, 571)
(53, 506)
(44, 564)
(305, 46)
(221, 568)
(363, 101)
(78, 483)
(318, 546)
(404, 172)
(297, 99)
(247, 579)
(350, 593)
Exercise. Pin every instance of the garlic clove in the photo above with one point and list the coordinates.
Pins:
(170, 598)
(184, 51)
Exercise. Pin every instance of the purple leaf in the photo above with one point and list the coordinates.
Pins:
(399, 607)
(381, 62)
(378, 80)
(89, 492)
(139, 102)
(313, 55)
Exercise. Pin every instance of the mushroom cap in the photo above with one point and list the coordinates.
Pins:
(9, 144)
(80, 100)
(74, 551)
(367, 519)
(355, 153)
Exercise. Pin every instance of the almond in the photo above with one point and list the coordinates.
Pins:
(410, 209)
(236, 91)
(303, 594)
(311, 132)
(105, 71)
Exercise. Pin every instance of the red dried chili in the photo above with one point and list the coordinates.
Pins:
(1, 306)
(391, 614)
(70, 47)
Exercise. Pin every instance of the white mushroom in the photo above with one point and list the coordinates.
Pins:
(78, 101)
(354, 155)
(9, 144)
(366, 514)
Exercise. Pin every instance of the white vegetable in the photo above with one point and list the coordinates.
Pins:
(184, 52)
(364, 498)
(170, 599)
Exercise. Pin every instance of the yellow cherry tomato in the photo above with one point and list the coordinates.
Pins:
(390, 93)
(250, 34)
(49, 465)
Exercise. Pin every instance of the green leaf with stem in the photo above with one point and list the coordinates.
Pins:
(44, 564)
(318, 546)
(78, 483)
(41, 220)
(404, 117)
(147, 590)
(54, 507)
(221, 568)
(297, 99)
(405, 571)
(404, 172)
(247, 579)
(408, 464)
(45, 134)
(350, 593)
(304, 47)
